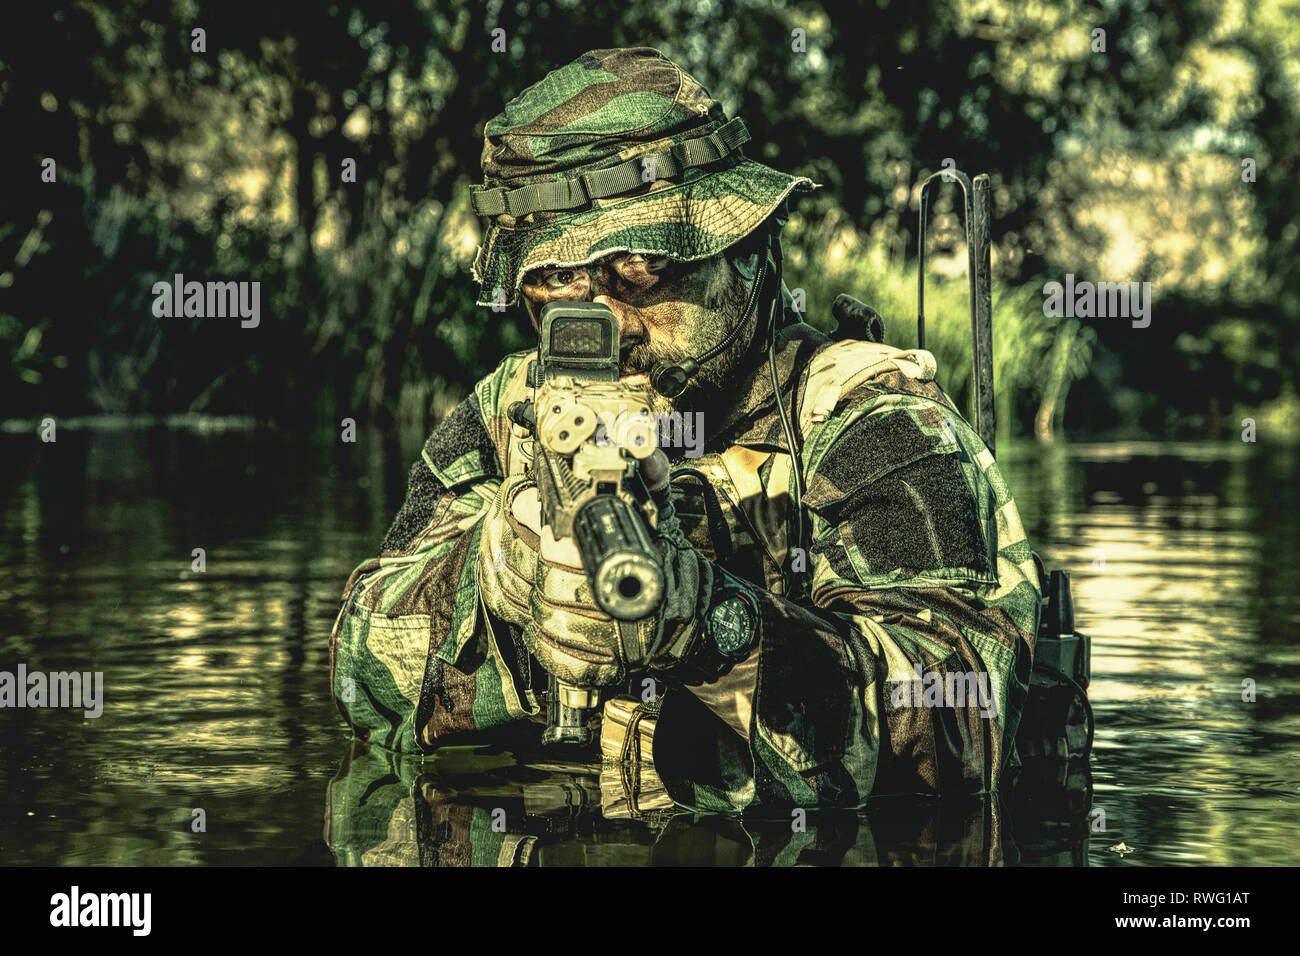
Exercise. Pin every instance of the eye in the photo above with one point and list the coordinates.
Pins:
(639, 266)
(562, 278)
(652, 263)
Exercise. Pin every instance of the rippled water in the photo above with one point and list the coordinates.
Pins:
(1185, 565)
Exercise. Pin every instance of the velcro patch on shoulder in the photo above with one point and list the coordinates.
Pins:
(423, 492)
(460, 448)
(876, 443)
(900, 500)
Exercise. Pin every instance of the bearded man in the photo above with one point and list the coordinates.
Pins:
(842, 557)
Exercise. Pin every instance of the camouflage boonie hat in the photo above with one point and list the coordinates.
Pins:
(618, 151)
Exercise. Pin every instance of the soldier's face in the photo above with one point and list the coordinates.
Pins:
(668, 311)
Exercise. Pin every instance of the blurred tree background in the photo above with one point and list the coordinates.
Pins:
(1117, 165)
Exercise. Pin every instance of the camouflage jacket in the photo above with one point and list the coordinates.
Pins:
(895, 651)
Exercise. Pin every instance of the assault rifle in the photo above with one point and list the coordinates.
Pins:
(589, 433)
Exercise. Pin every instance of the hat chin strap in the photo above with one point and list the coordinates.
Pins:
(670, 379)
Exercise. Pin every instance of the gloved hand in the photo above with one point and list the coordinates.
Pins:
(531, 580)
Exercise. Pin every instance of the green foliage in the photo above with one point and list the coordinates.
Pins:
(227, 164)
(1022, 336)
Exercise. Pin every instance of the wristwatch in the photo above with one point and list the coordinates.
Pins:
(732, 623)
(729, 633)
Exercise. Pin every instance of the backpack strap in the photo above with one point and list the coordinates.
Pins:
(842, 366)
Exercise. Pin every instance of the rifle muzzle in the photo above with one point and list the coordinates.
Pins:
(622, 563)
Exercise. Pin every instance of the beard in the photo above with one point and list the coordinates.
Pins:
(705, 317)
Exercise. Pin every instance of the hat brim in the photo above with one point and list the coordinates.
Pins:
(694, 219)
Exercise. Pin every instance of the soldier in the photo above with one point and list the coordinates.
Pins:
(851, 602)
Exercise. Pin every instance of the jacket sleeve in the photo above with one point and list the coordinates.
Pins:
(414, 656)
(906, 668)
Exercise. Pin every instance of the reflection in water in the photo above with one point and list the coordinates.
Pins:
(489, 807)
(1184, 561)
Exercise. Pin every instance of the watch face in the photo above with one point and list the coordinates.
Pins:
(732, 625)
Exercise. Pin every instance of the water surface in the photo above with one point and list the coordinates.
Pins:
(1184, 560)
